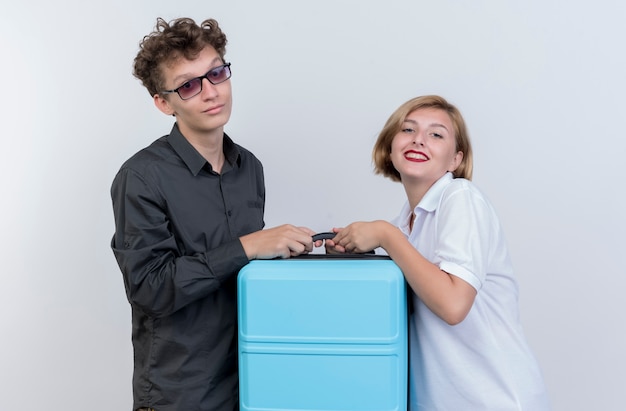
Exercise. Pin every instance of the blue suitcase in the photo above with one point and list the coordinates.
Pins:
(322, 333)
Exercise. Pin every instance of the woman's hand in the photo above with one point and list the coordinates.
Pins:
(358, 237)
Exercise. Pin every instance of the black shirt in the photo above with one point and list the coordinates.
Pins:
(177, 229)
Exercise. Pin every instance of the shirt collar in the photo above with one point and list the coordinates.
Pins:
(193, 159)
(428, 203)
(431, 199)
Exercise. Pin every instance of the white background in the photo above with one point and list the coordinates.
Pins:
(540, 83)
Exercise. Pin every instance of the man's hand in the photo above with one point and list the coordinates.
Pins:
(283, 241)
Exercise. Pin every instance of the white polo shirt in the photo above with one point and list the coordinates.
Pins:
(483, 363)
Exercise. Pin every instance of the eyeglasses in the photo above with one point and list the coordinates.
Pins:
(193, 87)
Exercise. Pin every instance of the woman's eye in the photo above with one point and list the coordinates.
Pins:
(407, 130)
(437, 135)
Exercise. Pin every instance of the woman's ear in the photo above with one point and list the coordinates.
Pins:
(456, 161)
(163, 105)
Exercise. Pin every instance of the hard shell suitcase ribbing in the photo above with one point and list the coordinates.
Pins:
(322, 333)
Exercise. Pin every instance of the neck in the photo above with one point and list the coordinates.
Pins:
(416, 189)
(415, 192)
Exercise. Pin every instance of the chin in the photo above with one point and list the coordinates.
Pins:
(218, 121)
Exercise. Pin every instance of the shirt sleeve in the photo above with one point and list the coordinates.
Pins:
(464, 232)
(157, 277)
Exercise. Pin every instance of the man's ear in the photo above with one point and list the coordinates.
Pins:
(163, 105)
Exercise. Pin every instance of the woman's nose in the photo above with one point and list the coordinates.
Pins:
(418, 139)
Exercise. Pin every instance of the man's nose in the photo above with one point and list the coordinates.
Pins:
(208, 88)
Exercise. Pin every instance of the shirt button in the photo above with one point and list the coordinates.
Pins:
(230, 213)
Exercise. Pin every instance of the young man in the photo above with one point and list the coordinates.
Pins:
(188, 216)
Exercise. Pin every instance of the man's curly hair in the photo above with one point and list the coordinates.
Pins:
(180, 38)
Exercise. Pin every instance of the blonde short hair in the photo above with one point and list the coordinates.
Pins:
(381, 153)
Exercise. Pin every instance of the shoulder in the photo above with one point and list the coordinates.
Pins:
(462, 186)
(147, 162)
(155, 153)
(465, 196)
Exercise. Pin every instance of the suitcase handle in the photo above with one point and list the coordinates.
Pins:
(328, 235)
(324, 236)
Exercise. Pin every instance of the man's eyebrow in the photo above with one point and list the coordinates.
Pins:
(188, 76)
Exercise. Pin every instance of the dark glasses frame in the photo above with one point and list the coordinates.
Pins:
(198, 80)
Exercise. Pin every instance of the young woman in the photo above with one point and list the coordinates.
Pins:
(467, 347)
